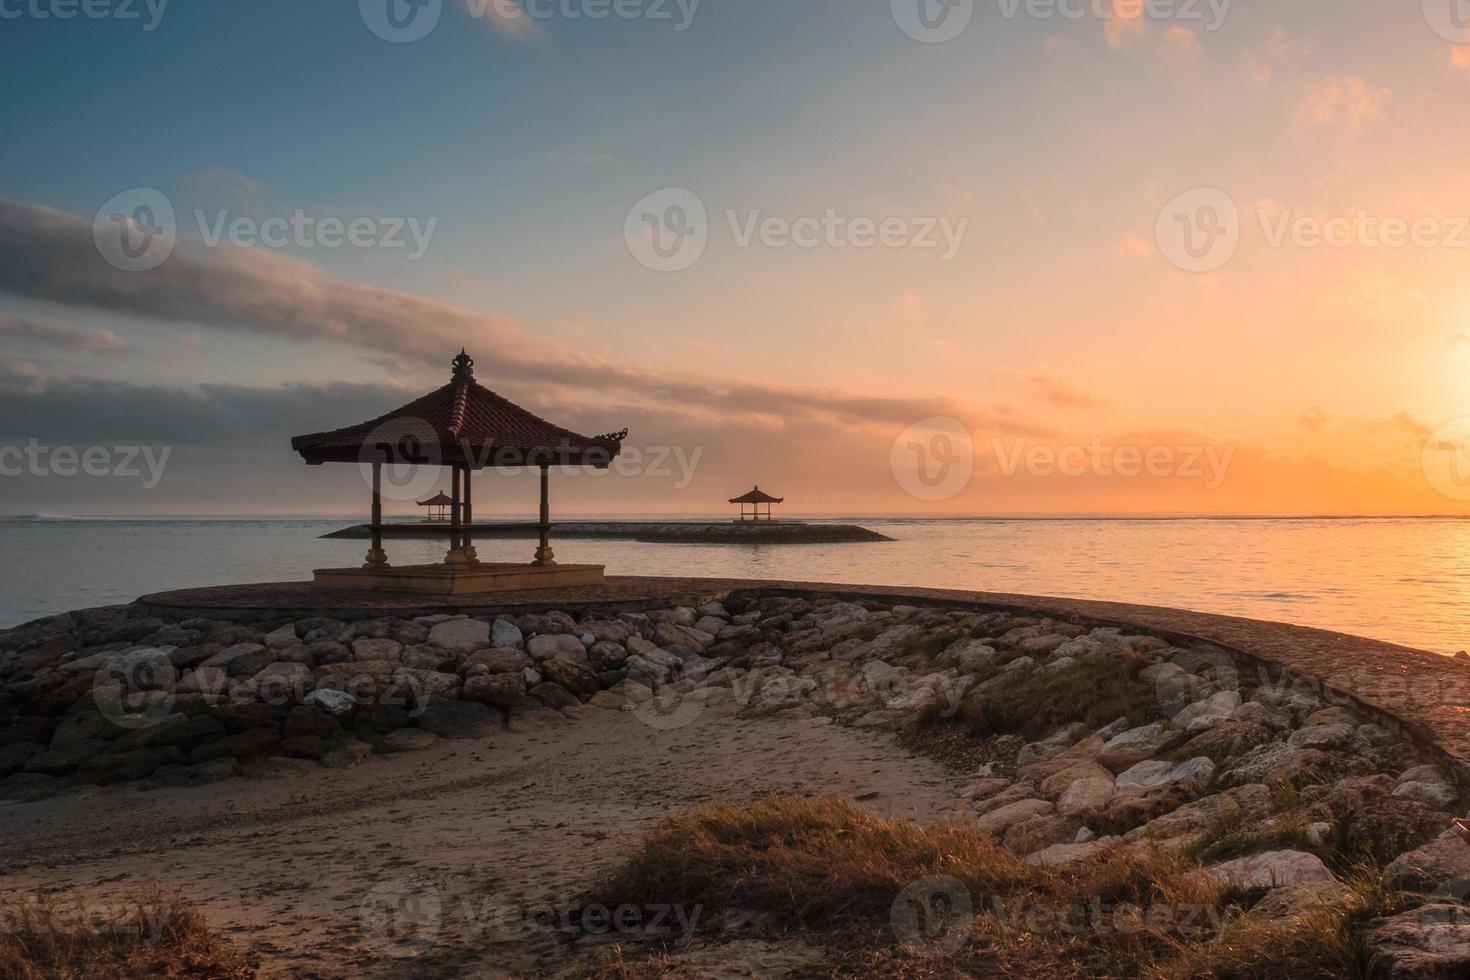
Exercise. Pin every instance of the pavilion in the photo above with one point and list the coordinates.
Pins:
(753, 500)
(438, 505)
(466, 427)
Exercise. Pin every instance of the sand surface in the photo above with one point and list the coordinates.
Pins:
(463, 840)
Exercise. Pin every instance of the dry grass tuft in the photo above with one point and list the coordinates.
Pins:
(157, 935)
(838, 873)
(1037, 702)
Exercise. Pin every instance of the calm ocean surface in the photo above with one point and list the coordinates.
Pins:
(1403, 580)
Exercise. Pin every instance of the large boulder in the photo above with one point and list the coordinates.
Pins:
(1214, 710)
(499, 690)
(461, 635)
(1189, 824)
(242, 659)
(1271, 869)
(1441, 866)
(505, 635)
(1194, 774)
(502, 660)
(580, 680)
(1387, 828)
(560, 646)
(369, 648)
(460, 719)
(1431, 942)
(1428, 785)
(1136, 745)
(1001, 819)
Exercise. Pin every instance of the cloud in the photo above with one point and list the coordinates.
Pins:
(1062, 394)
(1131, 246)
(1345, 100)
(49, 255)
(1314, 420)
(1405, 424)
(1182, 38)
(1371, 293)
(18, 375)
(55, 334)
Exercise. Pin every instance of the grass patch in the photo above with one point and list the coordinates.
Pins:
(838, 874)
(1035, 702)
(155, 935)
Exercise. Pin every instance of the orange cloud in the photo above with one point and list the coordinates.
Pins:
(1346, 100)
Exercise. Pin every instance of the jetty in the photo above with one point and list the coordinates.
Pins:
(652, 532)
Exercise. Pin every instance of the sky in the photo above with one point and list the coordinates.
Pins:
(877, 256)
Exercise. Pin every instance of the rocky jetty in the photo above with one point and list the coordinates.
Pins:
(648, 532)
(1093, 738)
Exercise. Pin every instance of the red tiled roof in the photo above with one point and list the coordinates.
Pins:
(462, 421)
(757, 496)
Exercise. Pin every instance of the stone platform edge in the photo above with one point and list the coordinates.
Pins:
(1420, 694)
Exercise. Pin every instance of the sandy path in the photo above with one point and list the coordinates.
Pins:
(467, 834)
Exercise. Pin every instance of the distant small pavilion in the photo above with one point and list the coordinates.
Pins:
(438, 505)
(466, 427)
(753, 500)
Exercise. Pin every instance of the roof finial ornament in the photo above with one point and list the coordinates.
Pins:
(464, 366)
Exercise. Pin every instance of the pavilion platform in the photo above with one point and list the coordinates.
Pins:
(448, 580)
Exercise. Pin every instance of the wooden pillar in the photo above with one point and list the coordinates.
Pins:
(544, 554)
(456, 554)
(376, 556)
(467, 543)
